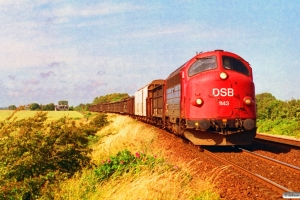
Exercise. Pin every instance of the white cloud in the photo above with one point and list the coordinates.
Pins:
(159, 31)
(40, 36)
(105, 8)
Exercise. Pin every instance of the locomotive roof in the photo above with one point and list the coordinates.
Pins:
(215, 51)
(176, 71)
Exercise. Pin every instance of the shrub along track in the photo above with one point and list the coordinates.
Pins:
(230, 183)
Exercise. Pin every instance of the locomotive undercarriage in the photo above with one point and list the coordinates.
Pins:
(198, 137)
(177, 128)
(214, 132)
(218, 132)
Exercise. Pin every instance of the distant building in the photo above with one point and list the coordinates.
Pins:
(61, 107)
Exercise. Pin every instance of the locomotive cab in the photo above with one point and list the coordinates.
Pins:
(218, 99)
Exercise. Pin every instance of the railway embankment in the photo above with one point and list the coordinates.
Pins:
(129, 159)
(151, 170)
(182, 172)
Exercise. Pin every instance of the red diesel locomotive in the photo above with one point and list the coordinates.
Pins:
(210, 100)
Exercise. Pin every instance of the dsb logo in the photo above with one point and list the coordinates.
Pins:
(223, 92)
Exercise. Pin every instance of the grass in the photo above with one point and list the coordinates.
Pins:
(165, 184)
(52, 115)
(163, 181)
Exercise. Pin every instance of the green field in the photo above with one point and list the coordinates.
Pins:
(52, 115)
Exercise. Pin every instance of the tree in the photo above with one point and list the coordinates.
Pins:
(12, 107)
(49, 106)
(266, 102)
(82, 107)
(34, 106)
(268, 107)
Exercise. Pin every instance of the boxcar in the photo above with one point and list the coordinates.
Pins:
(143, 99)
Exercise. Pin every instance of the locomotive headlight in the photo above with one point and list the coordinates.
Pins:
(247, 101)
(199, 101)
(224, 120)
(223, 75)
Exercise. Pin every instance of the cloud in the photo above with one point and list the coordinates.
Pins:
(97, 83)
(55, 64)
(159, 31)
(12, 77)
(3, 90)
(105, 8)
(31, 82)
(47, 74)
(92, 85)
(100, 72)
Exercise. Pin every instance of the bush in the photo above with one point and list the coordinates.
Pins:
(279, 126)
(100, 120)
(125, 162)
(35, 155)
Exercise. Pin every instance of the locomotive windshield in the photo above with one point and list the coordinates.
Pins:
(203, 64)
(235, 65)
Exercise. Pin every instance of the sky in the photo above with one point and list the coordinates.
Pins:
(54, 50)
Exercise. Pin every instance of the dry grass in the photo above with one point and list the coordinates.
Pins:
(158, 184)
(148, 185)
(123, 133)
(162, 182)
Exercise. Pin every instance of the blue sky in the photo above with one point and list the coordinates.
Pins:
(77, 50)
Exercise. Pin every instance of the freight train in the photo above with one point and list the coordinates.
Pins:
(210, 100)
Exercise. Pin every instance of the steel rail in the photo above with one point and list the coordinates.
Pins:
(268, 183)
(287, 141)
(278, 162)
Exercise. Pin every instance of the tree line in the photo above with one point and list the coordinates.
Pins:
(277, 116)
(110, 98)
(268, 107)
(41, 107)
(81, 107)
(35, 106)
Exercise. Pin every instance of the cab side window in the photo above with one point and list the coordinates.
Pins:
(202, 64)
(235, 65)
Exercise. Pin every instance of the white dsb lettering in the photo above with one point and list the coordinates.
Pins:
(223, 92)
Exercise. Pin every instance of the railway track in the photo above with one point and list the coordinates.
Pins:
(269, 182)
(287, 141)
(272, 161)
(277, 149)
(273, 174)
